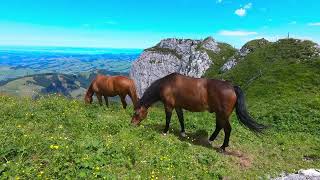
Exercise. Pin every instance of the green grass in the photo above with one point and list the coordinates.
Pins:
(282, 80)
(54, 137)
(256, 44)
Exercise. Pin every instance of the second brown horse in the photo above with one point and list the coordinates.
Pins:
(110, 86)
(179, 92)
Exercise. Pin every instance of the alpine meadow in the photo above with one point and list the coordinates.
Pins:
(62, 138)
(161, 89)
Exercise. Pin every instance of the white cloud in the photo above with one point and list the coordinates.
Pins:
(237, 33)
(243, 10)
(247, 6)
(240, 12)
(293, 22)
(219, 1)
(314, 24)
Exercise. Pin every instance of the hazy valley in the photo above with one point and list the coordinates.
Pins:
(34, 71)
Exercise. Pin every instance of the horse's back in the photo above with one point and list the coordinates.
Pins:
(197, 94)
(185, 92)
(112, 85)
(122, 82)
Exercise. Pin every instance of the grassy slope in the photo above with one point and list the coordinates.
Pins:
(56, 137)
(35, 85)
(282, 84)
(226, 51)
(21, 87)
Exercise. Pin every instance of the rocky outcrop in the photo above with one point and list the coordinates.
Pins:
(184, 56)
(285, 48)
(229, 64)
(244, 51)
(309, 174)
(317, 47)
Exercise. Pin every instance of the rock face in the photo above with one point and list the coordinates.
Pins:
(309, 174)
(317, 47)
(184, 56)
(244, 51)
(229, 64)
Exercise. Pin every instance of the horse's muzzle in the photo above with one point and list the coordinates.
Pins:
(135, 123)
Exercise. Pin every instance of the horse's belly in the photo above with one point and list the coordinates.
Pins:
(108, 92)
(193, 106)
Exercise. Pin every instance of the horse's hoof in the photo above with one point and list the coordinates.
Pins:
(222, 149)
(165, 134)
(210, 142)
(183, 134)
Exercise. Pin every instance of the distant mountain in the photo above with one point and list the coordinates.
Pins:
(72, 86)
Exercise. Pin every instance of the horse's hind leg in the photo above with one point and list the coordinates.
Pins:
(99, 96)
(217, 130)
(106, 99)
(179, 112)
(227, 132)
(123, 101)
(222, 121)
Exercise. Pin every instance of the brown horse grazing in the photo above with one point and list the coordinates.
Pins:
(110, 86)
(179, 92)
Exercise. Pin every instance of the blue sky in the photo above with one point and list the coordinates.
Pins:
(142, 23)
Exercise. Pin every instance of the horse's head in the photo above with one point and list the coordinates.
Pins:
(88, 99)
(140, 114)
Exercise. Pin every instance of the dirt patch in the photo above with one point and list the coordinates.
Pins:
(311, 157)
(244, 160)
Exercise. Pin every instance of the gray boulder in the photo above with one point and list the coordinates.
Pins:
(309, 174)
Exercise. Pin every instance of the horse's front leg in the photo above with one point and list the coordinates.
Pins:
(99, 96)
(168, 119)
(179, 112)
(123, 101)
(106, 99)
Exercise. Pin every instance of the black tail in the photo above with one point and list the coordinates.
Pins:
(242, 113)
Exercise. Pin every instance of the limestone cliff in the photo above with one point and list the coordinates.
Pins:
(172, 55)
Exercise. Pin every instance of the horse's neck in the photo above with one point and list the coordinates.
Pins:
(89, 93)
(151, 98)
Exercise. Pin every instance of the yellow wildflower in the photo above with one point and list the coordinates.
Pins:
(54, 147)
(39, 175)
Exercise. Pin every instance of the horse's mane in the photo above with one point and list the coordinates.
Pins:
(90, 92)
(152, 93)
